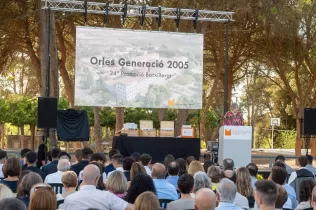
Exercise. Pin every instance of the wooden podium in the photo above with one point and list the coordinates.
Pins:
(235, 143)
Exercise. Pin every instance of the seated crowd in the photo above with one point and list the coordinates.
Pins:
(119, 183)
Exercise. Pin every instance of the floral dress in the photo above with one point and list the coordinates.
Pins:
(233, 119)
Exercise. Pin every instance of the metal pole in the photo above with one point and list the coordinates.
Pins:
(226, 70)
(272, 134)
(47, 88)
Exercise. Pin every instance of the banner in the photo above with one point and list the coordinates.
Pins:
(123, 68)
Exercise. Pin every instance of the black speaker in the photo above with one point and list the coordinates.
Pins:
(309, 128)
(47, 112)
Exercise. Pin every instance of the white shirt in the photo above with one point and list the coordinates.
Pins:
(227, 206)
(294, 176)
(241, 201)
(1, 173)
(89, 197)
(148, 171)
(54, 177)
(118, 169)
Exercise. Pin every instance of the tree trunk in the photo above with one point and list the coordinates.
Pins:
(298, 143)
(162, 114)
(181, 120)
(32, 128)
(119, 115)
(97, 129)
(2, 134)
(22, 130)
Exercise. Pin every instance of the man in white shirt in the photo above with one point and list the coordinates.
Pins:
(302, 172)
(205, 199)
(146, 161)
(3, 157)
(89, 197)
(226, 193)
(117, 161)
(62, 166)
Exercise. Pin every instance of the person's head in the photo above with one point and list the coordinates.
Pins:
(24, 151)
(141, 183)
(147, 201)
(173, 168)
(229, 174)
(310, 159)
(302, 160)
(3, 156)
(278, 175)
(86, 153)
(117, 160)
(12, 167)
(215, 173)
(282, 197)
(280, 158)
(306, 189)
(253, 169)
(136, 156)
(64, 155)
(5, 192)
(158, 171)
(22, 174)
(280, 164)
(194, 167)
(243, 182)
(69, 179)
(78, 155)
(265, 193)
(201, 180)
(234, 107)
(228, 164)
(117, 182)
(185, 183)
(137, 168)
(168, 159)
(91, 175)
(226, 191)
(27, 182)
(205, 199)
(43, 197)
(98, 157)
(182, 166)
(63, 165)
(12, 204)
(189, 160)
(207, 164)
(127, 163)
(55, 152)
(146, 159)
(113, 152)
(100, 185)
(31, 158)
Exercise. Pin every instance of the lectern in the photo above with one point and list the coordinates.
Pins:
(235, 143)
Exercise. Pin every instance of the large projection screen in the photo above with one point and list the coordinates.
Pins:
(146, 69)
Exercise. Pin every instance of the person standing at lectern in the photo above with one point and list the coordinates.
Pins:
(234, 116)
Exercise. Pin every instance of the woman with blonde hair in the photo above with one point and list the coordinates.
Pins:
(195, 166)
(137, 168)
(42, 198)
(117, 184)
(5, 192)
(146, 201)
(243, 182)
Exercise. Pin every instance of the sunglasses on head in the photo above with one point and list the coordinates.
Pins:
(42, 186)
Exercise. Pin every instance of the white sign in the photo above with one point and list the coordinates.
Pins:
(237, 132)
(123, 68)
(275, 121)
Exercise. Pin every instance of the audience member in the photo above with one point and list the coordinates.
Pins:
(253, 170)
(314, 198)
(141, 183)
(23, 159)
(41, 155)
(281, 158)
(5, 192)
(63, 165)
(146, 161)
(89, 197)
(309, 165)
(228, 164)
(207, 164)
(137, 168)
(305, 198)
(11, 169)
(226, 194)
(100, 185)
(182, 166)
(117, 184)
(86, 154)
(302, 172)
(64, 155)
(201, 180)
(168, 159)
(127, 165)
(117, 161)
(147, 201)
(173, 172)
(136, 157)
(185, 186)
(282, 198)
(205, 199)
(98, 157)
(78, 155)
(69, 180)
(49, 157)
(12, 204)
(42, 198)
(26, 184)
(3, 157)
(22, 174)
(265, 194)
(110, 166)
(194, 167)
(164, 189)
(31, 159)
(216, 174)
(52, 166)
(243, 182)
